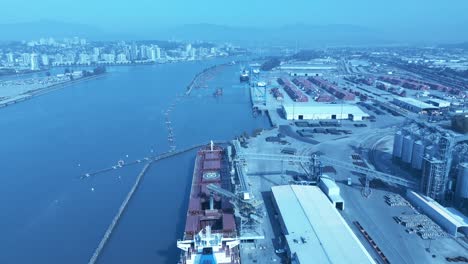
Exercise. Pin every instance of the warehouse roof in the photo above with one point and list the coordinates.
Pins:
(415, 103)
(450, 214)
(315, 231)
(438, 101)
(319, 108)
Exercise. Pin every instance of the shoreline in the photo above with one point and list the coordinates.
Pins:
(42, 91)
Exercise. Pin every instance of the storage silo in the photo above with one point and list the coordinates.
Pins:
(397, 144)
(462, 181)
(407, 149)
(417, 155)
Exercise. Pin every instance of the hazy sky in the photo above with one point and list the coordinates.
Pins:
(144, 13)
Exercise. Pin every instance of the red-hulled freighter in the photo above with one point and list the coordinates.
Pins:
(210, 235)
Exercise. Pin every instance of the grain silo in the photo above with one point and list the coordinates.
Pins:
(461, 191)
(398, 144)
(407, 149)
(417, 155)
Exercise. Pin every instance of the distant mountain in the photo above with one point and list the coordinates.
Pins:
(47, 28)
(462, 45)
(300, 34)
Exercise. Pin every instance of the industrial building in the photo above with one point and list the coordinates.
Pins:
(317, 111)
(432, 152)
(314, 230)
(461, 190)
(433, 181)
(439, 102)
(451, 220)
(316, 68)
(414, 105)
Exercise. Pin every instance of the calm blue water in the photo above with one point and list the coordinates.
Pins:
(51, 216)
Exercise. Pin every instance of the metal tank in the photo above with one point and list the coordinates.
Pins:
(417, 155)
(397, 144)
(407, 150)
(462, 181)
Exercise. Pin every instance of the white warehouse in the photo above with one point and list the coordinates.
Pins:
(317, 111)
(314, 230)
(451, 220)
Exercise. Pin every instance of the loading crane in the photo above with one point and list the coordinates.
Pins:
(316, 162)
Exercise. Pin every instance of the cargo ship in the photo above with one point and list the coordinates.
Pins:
(210, 235)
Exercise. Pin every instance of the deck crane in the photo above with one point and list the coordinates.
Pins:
(315, 162)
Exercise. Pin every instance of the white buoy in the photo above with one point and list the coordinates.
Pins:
(92, 189)
(126, 155)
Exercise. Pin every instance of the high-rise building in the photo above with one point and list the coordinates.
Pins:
(45, 59)
(84, 58)
(192, 54)
(96, 51)
(133, 52)
(154, 53)
(143, 52)
(10, 57)
(34, 62)
(26, 59)
(158, 53)
(122, 58)
(108, 57)
(58, 59)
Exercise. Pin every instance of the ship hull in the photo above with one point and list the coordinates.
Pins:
(207, 210)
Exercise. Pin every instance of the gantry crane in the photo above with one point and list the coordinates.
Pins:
(316, 162)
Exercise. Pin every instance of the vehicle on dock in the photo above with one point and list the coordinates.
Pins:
(218, 92)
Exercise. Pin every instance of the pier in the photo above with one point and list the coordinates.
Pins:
(123, 206)
(201, 75)
(161, 156)
(116, 219)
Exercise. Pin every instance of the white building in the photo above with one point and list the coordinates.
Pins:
(155, 53)
(10, 57)
(26, 58)
(84, 58)
(34, 62)
(45, 59)
(122, 58)
(315, 231)
(439, 103)
(317, 111)
(413, 105)
(451, 220)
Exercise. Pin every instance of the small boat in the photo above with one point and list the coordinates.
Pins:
(218, 92)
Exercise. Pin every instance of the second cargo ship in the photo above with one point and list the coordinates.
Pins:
(210, 235)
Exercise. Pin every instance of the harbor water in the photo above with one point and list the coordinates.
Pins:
(50, 215)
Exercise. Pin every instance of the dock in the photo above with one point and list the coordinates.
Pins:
(159, 157)
(123, 206)
(116, 219)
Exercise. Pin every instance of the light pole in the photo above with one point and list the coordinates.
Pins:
(341, 115)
